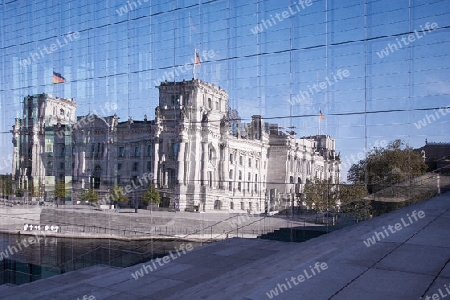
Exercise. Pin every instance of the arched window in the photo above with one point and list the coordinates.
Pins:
(217, 205)
(96, 176)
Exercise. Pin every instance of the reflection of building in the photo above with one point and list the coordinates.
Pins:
(40, 156)
(201, 156)
(436, 155)
(293, 161)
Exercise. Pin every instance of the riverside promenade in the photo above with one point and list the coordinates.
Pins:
(409, 258)
(82, 221)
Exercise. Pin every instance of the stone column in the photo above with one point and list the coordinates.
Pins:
(204, 162)
(181, 156)
(225, 168)
(156, 176)
(166, 178)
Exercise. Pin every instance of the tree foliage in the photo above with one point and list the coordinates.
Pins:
(151, 196)
(352, 204)
(118, 195)
(60, 189)
(350, 192)
(320, 194)
(384, 167)
(89, 195)
(5, 185)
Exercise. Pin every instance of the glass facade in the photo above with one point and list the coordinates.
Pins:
(365, 72)
(375, 69)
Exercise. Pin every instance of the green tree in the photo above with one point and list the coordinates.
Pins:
(60, 191)
(19, 192)
(6, 185)
(384, 167)
(151, 196)
(31, 191)
(352, 202)
(89, 195)
(118, 195)
(320, 194)
(350, 192)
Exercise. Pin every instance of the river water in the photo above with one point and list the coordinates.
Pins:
(22, 261)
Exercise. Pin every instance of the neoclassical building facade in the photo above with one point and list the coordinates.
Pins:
(201, 157)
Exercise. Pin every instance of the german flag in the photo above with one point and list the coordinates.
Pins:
(197, 59)
(57, 78)
(321, 115)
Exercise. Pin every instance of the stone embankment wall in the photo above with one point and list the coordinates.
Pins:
(13, 218)
(161, 225)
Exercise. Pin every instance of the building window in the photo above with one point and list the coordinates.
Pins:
(231, 174)
(118, 179)
(209, 103)
(210, 181)
(149, 150)
(242, 206)
(62, 166)
(121, 152)
(239, 187)
(61, 112)
(171, 177)
(250, 205)
(119, 166)
(211, 153)
(231, 205)
(217, 205)
(240, 160)
(149, 166)
(231, 158)
(291, 179)
(137, 151)
(249, 162)
(240, 175)
(135, 166)
(173, 149)
(230, 186)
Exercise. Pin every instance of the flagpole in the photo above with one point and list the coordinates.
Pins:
(195, 56)
(319, 125)
(318, 132)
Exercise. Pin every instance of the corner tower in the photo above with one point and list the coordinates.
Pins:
(188, 117)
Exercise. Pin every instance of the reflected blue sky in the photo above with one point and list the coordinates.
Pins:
(119, 55)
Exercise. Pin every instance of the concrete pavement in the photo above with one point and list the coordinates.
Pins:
(401, 255)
